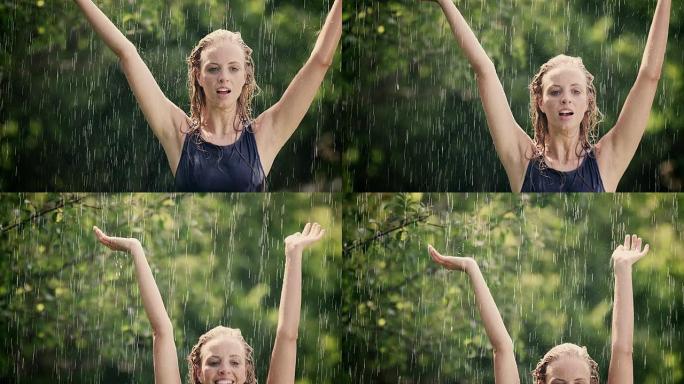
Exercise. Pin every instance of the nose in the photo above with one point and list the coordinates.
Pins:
(223, 76)
(565, 98)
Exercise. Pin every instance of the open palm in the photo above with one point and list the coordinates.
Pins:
(450, 262)
(630, 252)
(297, 242)
(115, 243)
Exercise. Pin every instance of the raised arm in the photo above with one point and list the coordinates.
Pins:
(284, 355)
(511, 142)
(164, 117)
(505, 367)
(617, 147)
(621, 365)
(166, 369)
(278, 123)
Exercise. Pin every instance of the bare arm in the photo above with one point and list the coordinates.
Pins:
(621, 364)
(278, 123)
(617, 147)
(510, 141)
(284, 355)
(505, 367)
(166, 369)
(164, 117)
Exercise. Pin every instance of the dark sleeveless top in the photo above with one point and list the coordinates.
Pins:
(585, 178)
(207, 167)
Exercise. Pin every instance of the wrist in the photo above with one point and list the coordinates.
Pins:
(622, 270)
(294, 253)
(135, 246)
(471, 266)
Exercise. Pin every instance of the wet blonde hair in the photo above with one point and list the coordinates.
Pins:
(539, 121)
(567, 349)
(197, 96)
(195, 356)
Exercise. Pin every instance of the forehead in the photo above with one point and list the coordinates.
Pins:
(222, 51)
(564, 75)
(568, 369)
(223, 346)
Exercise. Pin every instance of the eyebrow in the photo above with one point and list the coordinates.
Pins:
(572, 85)
(230, 62)
(218, 357)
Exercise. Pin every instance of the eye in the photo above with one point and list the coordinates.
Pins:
(213, 363)
(234, 69)
(235, 363)
(554, 92)
(213, 69)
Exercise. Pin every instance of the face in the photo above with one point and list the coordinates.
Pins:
(568, 370)
(564, 97)
(223, 361)
(222, 72)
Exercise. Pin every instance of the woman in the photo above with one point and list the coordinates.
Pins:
(565, 363)
(220, 147)
(222, 355)
(561, 157)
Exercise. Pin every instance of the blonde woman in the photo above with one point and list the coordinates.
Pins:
(562, 157)
(565, 363)
(222, 356)
(220, 146)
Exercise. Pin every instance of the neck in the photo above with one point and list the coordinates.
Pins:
(221, 122)
(562, 145)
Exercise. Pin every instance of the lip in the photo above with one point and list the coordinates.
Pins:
(224, 381)
(566, 114)
(223, 91)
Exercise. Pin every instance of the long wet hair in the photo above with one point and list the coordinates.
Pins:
(540, 122)
(195, 356)
(197, 96)
(567, 349)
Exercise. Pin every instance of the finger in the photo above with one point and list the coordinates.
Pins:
(637, 244)
(315, 229)
(626, 242)
(317, 232)
(434, 254)
(634, 240)
(645, 251)
(307, 229)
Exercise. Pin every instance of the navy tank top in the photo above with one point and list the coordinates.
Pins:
(207, 167)
(585, 178)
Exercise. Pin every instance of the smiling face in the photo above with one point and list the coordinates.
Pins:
(564, 98)
(223, 361)
(222, 73)
(568, 369)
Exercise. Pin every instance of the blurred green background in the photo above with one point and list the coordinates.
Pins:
(414, 117)
(69, 122)
(546, 259)
(70, 309)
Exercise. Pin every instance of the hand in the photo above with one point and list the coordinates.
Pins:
(629, 253)
(452, 262)
(297, 242)
(116, 243)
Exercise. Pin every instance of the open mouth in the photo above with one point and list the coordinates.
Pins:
(224, 382)
(566, 113)
(223, 91)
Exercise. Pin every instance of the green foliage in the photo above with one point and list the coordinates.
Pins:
(68, 120)
(547, 262)
(415, 96)
(70, 308)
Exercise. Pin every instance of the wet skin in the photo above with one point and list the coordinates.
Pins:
(223, 361)
(568, 370)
